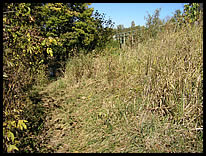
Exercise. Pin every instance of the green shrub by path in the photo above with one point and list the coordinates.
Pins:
(37, 36)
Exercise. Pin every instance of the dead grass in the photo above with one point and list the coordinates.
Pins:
(144, 100)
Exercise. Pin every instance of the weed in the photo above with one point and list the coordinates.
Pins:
(147, 99)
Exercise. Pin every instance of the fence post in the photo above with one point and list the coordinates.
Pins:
(122, 37)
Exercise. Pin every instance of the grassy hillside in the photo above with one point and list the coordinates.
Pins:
(145, 99)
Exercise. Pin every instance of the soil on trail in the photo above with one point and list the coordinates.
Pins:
(54, 131)
(64, 127)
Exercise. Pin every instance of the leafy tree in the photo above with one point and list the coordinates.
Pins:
(104, 32)
(132, 24)
(120, 27)
(191, 12)
(73, 27)
(153, 22)
(177, 15)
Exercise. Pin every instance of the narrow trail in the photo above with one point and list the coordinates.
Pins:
(79, 118)
(53, 132)
(62, 125)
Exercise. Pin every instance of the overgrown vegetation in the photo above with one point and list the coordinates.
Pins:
(148, 98)
(38, 37)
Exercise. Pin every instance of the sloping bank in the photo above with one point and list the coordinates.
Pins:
(148, 99)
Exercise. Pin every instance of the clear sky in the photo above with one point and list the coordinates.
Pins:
(125, 13)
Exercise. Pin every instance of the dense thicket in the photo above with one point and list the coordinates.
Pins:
(36, 36)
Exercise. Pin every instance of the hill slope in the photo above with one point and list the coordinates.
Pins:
(146, 99)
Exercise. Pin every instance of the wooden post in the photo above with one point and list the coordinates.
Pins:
(123, 39)
(119, 39)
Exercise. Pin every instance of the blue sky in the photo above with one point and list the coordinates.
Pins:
(125, 13)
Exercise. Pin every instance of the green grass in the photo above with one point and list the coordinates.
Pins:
(142, 100)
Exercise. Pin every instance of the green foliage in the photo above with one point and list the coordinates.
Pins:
(74, 27)
(23, 56)
(177, 16)
(153, 23)
(9, 129)
(132, 24)
(104, 31)
(15, 41)
(191, 12)
(37, 35)
(120, 28)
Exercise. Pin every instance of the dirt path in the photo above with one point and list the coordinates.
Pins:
(53, 132)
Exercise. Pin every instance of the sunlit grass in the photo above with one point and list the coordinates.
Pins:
(148, 99)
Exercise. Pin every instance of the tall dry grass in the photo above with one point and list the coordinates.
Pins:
(145, 99)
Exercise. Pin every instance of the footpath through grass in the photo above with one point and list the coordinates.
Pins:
(145, 99)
